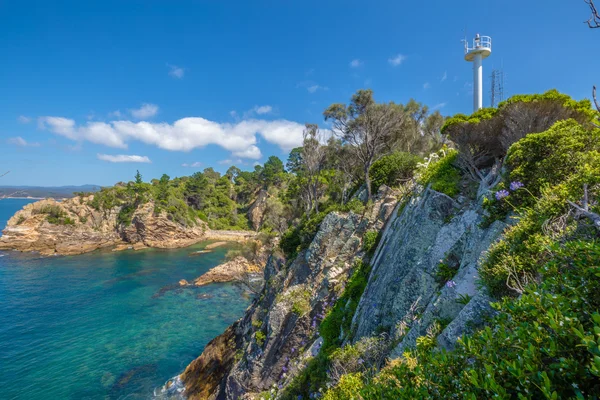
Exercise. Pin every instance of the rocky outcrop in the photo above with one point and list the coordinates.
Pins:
(236, 269)
(256, 212)
(80, 228)
(279, 330)
(431, 230)
(406, 297)
(85, 230)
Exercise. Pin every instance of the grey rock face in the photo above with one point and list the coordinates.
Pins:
(430, 229)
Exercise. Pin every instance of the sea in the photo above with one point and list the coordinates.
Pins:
(105, 325)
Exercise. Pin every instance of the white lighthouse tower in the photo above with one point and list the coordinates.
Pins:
(482, 48)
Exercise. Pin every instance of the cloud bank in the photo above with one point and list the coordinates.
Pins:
(121, 158)
(240, 138)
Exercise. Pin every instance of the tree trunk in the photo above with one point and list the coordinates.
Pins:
(368, 182)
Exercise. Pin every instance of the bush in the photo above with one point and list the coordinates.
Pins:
(442, 173)
(347, 389)
(260, 338)
(21, 219)
(548, 158)
(486, 135)
(393, 169)
(56, 215)
(543, 344)
(125, 214)
(370, 241)
(542, 203)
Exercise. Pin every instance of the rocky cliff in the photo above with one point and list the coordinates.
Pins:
(279, 331)
(73, 226)
(405, 294)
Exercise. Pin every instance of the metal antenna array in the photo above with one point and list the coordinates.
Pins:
(497, 89)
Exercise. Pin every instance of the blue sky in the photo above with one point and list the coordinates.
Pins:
(93, 90)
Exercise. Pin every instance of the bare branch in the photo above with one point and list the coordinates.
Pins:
(594, 20)
(584, 210)
(595, 218)
(594, 97)
(9, 171)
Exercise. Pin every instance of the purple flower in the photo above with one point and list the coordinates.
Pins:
(284, 369)
(450, 284)
(516, 185)
(360, 361)
(500, 194)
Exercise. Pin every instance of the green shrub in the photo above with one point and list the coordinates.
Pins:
(442, 174)
(370, 241)
(354, 205)
(548, 158)
(348, 388)
(393, 169)
(55, 215)
(299, 299)
(445, 272)
(125, 214)
(260, 338)
(21, 219)
(512, 262)
(543, 344)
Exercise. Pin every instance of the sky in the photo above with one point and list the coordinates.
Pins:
(91, 91)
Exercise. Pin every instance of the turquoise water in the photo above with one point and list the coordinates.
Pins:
(98, 326)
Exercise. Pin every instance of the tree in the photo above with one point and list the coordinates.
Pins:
(593, 22)
(313, 161)
(367, 127)
(162, 192)
(294, 162)
(272, 171)
(138, 177)
(232, 173)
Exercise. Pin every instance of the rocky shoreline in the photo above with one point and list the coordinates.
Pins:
(72, 226)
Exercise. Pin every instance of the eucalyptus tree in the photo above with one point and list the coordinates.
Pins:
(369, 128)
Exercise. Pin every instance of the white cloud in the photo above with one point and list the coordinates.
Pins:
(240, 138)
(115, 114)
(356, 63)
(196, 164)
(176, 72)
(145, 111)
(252, 152)
(397, 60)
(23, 119)
(314, 88)
(311, 86)
(439, 106)
(233, 114)
(19, 141)
(263, 109)
(122, 158)
(426, 85)
(445, 76)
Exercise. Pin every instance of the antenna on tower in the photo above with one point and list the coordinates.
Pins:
(497, 87)
(482, 48)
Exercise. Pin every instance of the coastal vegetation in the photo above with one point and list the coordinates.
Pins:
(531, 166)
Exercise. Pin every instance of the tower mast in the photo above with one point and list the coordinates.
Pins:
(482, 48)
